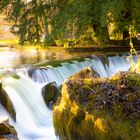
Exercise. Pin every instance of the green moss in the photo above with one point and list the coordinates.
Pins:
(102, 109)
(15, 76)
(79, 129)
(56, 63)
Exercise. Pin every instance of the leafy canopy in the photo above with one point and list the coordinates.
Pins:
(37, 20)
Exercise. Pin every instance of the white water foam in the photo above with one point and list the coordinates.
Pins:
(60, 73)
(33, 119)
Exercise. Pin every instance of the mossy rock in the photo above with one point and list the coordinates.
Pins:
(99, 108)
(50, 93)
(87, 72)
(6, 103)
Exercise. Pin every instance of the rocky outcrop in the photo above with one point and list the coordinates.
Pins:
(50, 93)
(87, 72)
(7, 132)
(99, 109)
(6, 103)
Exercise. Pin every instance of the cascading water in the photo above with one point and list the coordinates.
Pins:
(33, 119)
(60, 73)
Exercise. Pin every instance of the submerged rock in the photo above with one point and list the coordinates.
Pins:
(50, 93)
(35, 73)
(7, 132)
(99, 108)
(6, 103)
(103, 59)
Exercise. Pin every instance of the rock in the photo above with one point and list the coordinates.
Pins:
(6, 103)
(109, 108)
(50, 93)
(31, 71)
(36, 75)
(87, 72)
(7, 132)
(77, 125)
(103, 59)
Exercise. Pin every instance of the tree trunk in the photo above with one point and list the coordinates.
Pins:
(105, 35)
(125, 35)
(101, 34)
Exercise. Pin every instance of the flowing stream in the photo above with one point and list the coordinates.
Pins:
(33, 118)
(60, 73)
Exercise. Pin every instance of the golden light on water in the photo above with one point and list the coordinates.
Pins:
(16, 57)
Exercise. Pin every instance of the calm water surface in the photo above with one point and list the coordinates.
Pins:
(13, 57)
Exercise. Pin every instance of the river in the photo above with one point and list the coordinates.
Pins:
(33, 118)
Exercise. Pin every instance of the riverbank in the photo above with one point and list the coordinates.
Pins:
(106, 49)
(75, 49)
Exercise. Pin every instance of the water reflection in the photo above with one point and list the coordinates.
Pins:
(11, 57)
(14, 57)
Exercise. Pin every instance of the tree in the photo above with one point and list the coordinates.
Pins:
(83, 15)
(98, 15)
(30, 19)
(33, 19)
(124, 13)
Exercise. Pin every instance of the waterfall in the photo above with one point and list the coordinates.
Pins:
(66, 69)
(33, 119)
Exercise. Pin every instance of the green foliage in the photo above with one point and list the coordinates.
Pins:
(30, 20)
(38, 20)
(123, 13)
(12, 8)
(49, 41)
